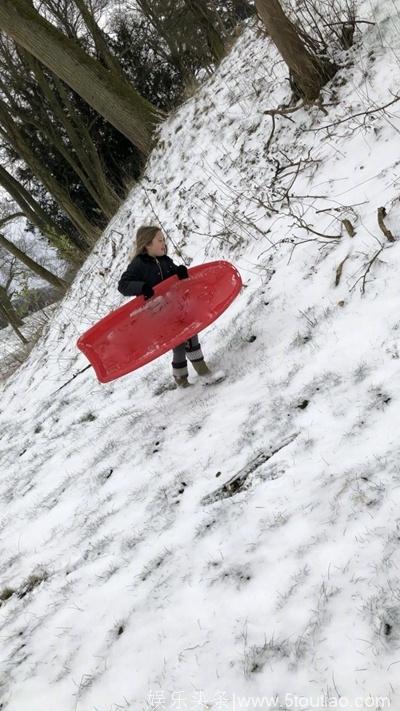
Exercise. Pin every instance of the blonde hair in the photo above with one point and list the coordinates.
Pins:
(144, 235)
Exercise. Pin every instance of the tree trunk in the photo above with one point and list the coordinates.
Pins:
(88, 156)
(9, 314)
(100, 42)
(31, 209)
(309, 73)
(110, 95)
(35, 214)
(42, 272)
(206, 20)
(53, 115)
(15, 137)
(87, 164)
(159, 17)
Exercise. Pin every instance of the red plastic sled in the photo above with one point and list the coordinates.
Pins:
(140, 331)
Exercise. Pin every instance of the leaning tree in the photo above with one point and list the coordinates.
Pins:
(309, 72)
(103, 88)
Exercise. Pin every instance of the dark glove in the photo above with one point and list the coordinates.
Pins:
(147, 290)
(182, 272)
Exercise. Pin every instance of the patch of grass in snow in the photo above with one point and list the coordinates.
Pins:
(278, 519)
(32, 582)
(379, 398)
(6, 593)
(111, 569)
(303, 550)
(154, 565)
(205, 527)
(196, 426)
(165, 387)
(254, 421)
(361, 372)
(301, 339)
(8, 563)
(95, 518)
(366, 493)
(378, 401)
(236, 575)
(257, 656)
(117, 630)
(131, 542)
(297, 580)
(383, 611)
(53, 497)
(104, 475)
(105, 452)
(99, 547)
(88, 417)
(167, 497)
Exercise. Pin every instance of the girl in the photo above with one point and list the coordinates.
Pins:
(149, 266)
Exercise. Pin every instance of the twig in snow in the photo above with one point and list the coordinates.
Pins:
(339, 270)
(73, 378)
(305, 226)
(348, 118)
(348, 227)
(364, 276)
(284, 111)
(238, 481)
(385, 230)
(271, 134)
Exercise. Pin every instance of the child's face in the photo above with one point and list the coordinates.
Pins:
(157, 246)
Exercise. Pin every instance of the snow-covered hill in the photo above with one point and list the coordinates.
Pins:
(131, 578)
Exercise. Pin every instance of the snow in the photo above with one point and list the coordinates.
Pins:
(146, 595)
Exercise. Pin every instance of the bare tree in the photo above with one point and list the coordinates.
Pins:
(309, 72)
(211, 25)
(34, 266)
(106, 91)
(8, 314)
(46, 104)
(100, 41)
(34, 213)
(14, 135)
(192, 32)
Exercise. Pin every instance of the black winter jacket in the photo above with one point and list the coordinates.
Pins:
(145, 269)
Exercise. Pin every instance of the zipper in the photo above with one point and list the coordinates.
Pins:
(159, 266)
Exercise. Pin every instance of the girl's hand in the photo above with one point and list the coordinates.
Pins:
(147, 290)
(182, 272)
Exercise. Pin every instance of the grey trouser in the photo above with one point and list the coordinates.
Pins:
(191, 349)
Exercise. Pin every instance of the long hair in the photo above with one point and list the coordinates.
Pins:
(144, 235)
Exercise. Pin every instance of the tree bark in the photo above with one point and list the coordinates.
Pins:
(42, 272)
(100, 42)
(111, 96)
(29, 206)
(10, 315)
(206, 20)
(35, 214)
(90, 233)
(309, 72)
(159, 16)
(88, 156)
(62, 118)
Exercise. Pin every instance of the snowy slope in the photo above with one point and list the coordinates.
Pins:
(130, 579)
